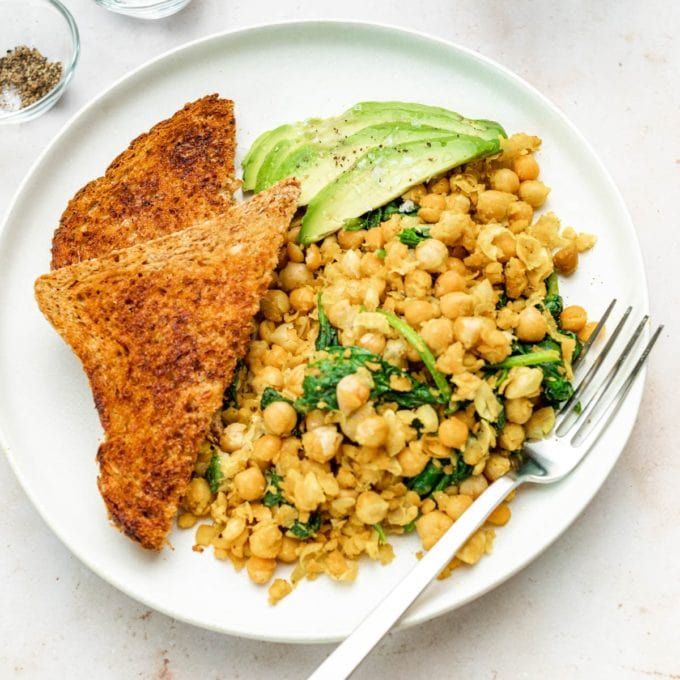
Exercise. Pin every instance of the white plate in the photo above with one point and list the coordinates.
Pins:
(277, 74)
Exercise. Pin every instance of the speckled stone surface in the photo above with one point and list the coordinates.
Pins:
(604, 600)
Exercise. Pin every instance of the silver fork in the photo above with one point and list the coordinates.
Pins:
(546, 462)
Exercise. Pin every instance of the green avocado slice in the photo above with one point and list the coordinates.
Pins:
(384, 173)
(316, 165)
(270, 150)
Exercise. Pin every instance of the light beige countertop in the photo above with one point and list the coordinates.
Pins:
(604, 600)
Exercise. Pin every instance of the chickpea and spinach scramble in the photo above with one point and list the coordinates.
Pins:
(397, 368)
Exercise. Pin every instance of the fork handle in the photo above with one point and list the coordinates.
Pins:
(350, 653)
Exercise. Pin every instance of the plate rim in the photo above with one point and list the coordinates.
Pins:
(488, 62)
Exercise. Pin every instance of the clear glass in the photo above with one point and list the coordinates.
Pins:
(145, 9)
(48, 26)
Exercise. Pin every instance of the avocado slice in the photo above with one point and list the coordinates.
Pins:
(256, 154)
(270, 150)
(382, 174)
(334, 130)
(489, 129)
(316, 165)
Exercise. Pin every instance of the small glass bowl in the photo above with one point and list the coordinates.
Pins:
(145, 9)
(49, 27)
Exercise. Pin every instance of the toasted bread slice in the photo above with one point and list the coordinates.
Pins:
(158, 328)
(178, 173)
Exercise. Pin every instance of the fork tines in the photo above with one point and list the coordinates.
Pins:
(602, 402)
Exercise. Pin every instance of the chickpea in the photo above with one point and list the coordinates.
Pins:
(303, 299)
(275, 356)
(427, 506)
(493, 205)
(525, 167)
(417, 283)
(295, 275)
(456, 304)
(294, 253)
(474, 549)
(496, 466)
(433, 201)
(322, 443)
(206, 533)
(495, 346)
(506, 242)
(345, 478)
(505, 180)
(265, 541)
(453, 432)
(455, 506)
(419, 311)
(518, 410)
(340, 313)
(473, 486)
(373, 342)
(437, 334)
(432, 254)
(260, 569)
(540, 423)
(198, 497)
(533, 192)
(520, 215)
(371, 508)
(372, 431)
(374, 239)
(523, 381)
(268, 376)
(506, 319)
(279, 418)
(457, 203)
(430, 215)
(585, 333)
(352, 392)
(274, 305)
(469, 330)
(573, 318)
(412, 460)
(415, 193)
(349, 240)
(512, 437)
(250, 483)
(450, 227)
(516, 279)
(371, 265)
(500, 516)
(566, 259)
(439, 186)
(278, 590)
(265, 448)
(233, 437)
(314, 419)
(186, 520)
(289, 549)
(390, 228)
(432, 527)
(531, 326)
(313, 258)
(494, 272)
(449, 282)
(428, 418)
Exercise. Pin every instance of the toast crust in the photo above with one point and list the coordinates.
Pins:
(178, 173)
(159, 328)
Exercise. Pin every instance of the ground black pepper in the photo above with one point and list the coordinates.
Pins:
(26, 76)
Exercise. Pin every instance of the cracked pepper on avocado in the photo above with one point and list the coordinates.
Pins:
(413, 338)
(386, 352)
